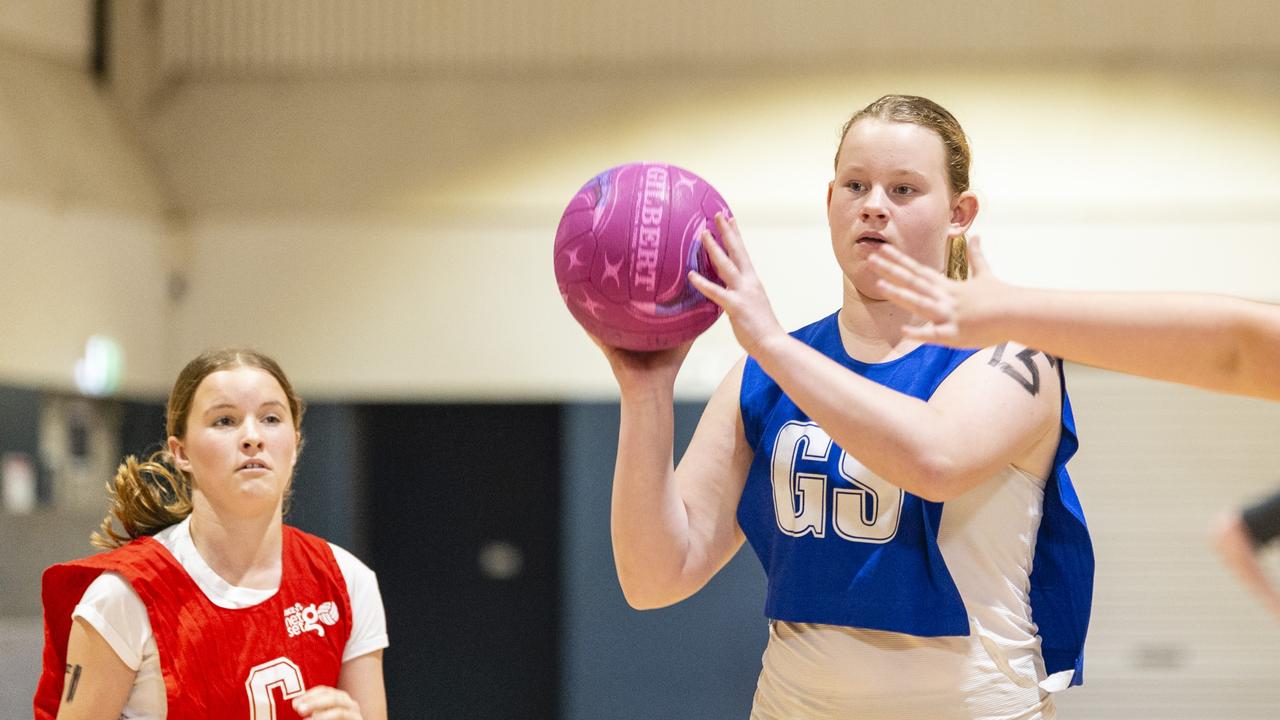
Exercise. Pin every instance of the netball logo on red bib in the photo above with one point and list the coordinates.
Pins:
(306, 618)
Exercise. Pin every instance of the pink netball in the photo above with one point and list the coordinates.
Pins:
(623, 251)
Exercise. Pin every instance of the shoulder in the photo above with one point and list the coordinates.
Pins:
(112, 607)
(1015, 367)
(369, 619)
(314, 547)
(99, 577)
(822, 333)
(354, 570)
(355, 573)
(171, 536)
(75, 575)
(108, 586)
(1014, 395)
(1009, 388)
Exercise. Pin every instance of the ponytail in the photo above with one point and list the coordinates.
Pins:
(957, 258)
(145, 498)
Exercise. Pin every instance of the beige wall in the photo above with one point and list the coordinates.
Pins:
(411, 225)
(1173, 634)
(74, 272)
(84, 244)
(54, 29)
(386, 228)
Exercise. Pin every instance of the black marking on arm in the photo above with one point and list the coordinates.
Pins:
(1029, 380)
(74, 670)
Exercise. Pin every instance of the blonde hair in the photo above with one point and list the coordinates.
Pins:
(958, 258)
(148, 496)
(929, 115)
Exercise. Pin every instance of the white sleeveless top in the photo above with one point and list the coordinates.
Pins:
(829, 672)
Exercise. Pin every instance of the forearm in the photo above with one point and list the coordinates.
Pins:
(650, 526)
(361, 678)
(1214, 342)
(898, 437)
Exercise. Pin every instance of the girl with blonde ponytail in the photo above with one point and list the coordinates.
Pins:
(206, 604)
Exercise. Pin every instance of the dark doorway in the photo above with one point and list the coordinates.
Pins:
(463, 528)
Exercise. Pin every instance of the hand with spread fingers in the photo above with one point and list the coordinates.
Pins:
(326, 703)
(1215, 342)
(743, 297)
(959, 313)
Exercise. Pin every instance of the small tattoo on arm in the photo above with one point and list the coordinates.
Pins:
(1029, 380)
(74, 671)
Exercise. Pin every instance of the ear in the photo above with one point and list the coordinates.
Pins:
(831, 188)
(963, 213)
(179, 454)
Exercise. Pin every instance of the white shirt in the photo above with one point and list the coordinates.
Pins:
(112, 607)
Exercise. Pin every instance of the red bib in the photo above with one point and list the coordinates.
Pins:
(216, 662)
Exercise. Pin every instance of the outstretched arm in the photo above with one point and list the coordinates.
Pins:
(1214, 342)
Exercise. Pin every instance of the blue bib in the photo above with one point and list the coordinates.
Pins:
(840, 546)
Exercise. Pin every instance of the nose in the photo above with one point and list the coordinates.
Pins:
(873, 204)
(252, 439)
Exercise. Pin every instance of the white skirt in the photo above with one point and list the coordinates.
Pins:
(828, 672)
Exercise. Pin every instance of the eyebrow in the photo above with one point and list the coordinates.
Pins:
(225, 405)
(897, 172)
(911, 173)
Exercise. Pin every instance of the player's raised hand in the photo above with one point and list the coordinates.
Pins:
(958, 313)
(743, 297)
(326, 703)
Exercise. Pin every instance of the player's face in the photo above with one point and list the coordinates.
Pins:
(240, 445)
(890, 187)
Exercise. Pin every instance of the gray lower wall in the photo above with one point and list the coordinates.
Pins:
(698, 659)
(21, 640)
(327, 481)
